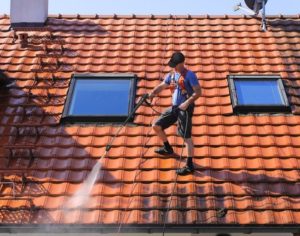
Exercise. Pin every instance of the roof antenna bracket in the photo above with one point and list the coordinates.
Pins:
(254, 7)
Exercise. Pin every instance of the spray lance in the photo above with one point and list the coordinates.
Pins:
(140, 102)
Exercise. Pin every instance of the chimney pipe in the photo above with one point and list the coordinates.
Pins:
(28, 13)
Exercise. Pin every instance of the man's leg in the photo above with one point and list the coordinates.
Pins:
(160, 133)
(190, 152)
(189, 147)
(163, 122)
(185, 131)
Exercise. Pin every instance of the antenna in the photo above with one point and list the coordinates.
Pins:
(254, 6)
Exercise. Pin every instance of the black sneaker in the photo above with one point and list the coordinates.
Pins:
(185, 170)
(164, 151)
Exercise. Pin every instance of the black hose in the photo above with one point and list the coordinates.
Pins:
(140, 102)
(175, 182)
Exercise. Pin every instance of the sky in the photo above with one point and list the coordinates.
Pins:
(180, 7)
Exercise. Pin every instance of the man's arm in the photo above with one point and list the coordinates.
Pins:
(157, 90)
(191, 99)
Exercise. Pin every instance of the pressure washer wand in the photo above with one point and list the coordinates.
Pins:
(140, 102)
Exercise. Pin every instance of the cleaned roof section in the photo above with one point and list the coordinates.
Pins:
(248, 164)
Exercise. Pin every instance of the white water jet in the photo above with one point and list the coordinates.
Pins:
(82, 195)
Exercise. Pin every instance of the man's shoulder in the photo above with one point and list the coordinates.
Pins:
(192, 78)
(191, 74)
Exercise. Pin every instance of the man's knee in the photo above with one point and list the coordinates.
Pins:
(156, 128)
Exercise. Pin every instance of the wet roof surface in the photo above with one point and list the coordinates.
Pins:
(248, 164)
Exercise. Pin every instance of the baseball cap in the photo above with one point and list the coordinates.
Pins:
(176, 59)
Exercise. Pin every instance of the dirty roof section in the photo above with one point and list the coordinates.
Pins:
(247, 164)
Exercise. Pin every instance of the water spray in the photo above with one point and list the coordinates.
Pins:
(81, 196)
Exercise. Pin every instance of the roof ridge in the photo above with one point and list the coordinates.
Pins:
(158, 16)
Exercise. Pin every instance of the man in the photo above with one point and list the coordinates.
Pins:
(186, 89)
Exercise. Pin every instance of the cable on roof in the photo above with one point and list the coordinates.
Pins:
(178, 165)
(220, 212)
(176, 176)
(166, 39)
(137, 173)
(162, 67)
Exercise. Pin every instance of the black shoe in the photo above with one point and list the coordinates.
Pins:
(164, 151)
(185, 170)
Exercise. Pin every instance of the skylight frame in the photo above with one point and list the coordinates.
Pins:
(258, 108)
(70, 118)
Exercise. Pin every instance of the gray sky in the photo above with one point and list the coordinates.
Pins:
(194, 7)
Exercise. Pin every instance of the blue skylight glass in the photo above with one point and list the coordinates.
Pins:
(258, 92)
(101, 97)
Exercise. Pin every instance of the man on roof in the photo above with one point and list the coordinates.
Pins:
(185, 89)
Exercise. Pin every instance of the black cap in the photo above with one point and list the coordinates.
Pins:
(176, 59)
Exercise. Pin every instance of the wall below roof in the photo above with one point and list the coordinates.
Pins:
(241, 234)
(145, 234)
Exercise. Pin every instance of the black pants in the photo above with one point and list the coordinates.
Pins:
(184, 118)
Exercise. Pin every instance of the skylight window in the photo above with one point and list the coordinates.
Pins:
(100, 97)
(258, 94)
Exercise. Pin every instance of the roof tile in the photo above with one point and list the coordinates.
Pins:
(246, 163)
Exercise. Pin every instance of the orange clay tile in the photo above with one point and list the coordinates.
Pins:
(248, 164)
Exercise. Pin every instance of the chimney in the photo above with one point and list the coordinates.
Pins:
(28, 13)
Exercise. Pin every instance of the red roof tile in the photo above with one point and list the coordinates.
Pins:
(248, 164)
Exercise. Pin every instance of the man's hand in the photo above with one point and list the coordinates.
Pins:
(183, 106)
(150, 97)
(197, 93)
(157, 90)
